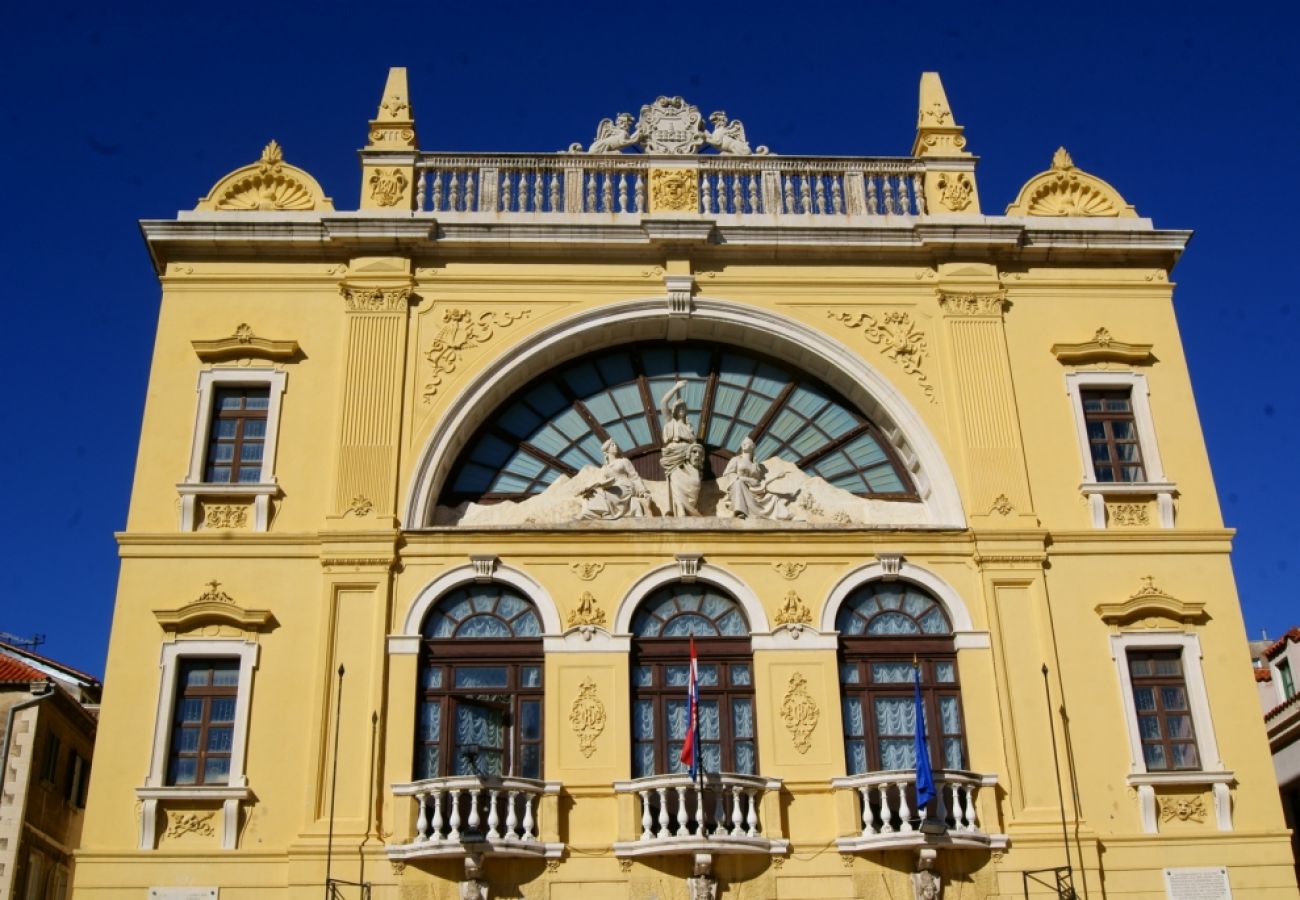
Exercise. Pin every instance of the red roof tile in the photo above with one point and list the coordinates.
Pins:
(1280, 644)
(55, 664)
(15, 671)
(1263, 673)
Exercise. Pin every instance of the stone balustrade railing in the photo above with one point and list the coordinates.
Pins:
(479, 814)
(723, 814)
(564, 184)
(886, 806)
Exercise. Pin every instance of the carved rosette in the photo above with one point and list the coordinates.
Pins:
(375, 299)
(799, 712)
(898, 338)
(460, 330)
(674, 190)
(587, 717)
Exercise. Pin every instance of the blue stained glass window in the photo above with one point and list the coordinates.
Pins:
(482, 611)
(885, 608)
(681, 610)
(558, 423)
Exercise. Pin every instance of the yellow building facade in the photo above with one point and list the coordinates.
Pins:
(433, 497)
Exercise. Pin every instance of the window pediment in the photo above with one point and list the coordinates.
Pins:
(1151, 607)
(214, 607)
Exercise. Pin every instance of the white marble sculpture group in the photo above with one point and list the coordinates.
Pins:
(620, 493)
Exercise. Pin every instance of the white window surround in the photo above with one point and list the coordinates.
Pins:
(194, 487)
(1212, 772)
(236, 789)
(1157, 483)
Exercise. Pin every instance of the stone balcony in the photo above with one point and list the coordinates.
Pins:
(886, 819)
(476, 817)
(726, 814)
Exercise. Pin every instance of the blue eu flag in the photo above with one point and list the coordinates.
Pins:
(925, 791)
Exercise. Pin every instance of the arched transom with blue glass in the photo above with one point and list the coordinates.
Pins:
(557, 424)
(891, 608)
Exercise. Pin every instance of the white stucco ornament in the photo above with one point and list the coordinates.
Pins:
(670, 126)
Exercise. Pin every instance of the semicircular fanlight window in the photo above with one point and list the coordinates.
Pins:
(688, 610)
(556, 425)
(888, 608)
(491, 611)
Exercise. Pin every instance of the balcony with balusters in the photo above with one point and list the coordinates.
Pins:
(771, 189)
(481, 816)
(726, 813)
(885, 817)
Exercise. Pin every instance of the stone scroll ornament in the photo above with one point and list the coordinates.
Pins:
(460, 330)
(671, 126)
(587, 717)
(800, 713)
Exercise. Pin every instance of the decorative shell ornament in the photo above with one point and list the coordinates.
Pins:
(268, 185)
(1065, 190)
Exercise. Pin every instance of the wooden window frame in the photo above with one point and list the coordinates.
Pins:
(206, 694)
(241, 417)
(1107, 419)
(861, 651)
(513, 654)
(1160, 714)
(725, 652)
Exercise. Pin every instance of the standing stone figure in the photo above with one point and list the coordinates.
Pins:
(682, 457)
(747, 492)
(620, 491)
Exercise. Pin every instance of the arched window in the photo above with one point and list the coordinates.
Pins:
(884, 627)
(661, 628)
(557, 424)
(480, 697)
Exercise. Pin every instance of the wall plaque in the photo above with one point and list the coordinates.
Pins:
(183, 893)
(1209, 883)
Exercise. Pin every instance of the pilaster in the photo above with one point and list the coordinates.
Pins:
(376, 296)
(997, 478)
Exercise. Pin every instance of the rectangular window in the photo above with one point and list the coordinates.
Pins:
(1112, 435)
(74, 787)
(1164, 716)
(203, 722)
(237, 435)
(1288, 683)
(50, 761)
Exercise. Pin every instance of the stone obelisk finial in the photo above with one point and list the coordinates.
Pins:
(937, 132)
(388, 162)
(950, 178)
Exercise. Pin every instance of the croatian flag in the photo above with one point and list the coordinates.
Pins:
(925, 789)
(690, 748)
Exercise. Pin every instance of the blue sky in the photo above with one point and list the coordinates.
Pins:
(116, 112)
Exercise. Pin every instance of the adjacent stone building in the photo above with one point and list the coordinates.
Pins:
(49, 712)
(435, 496)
